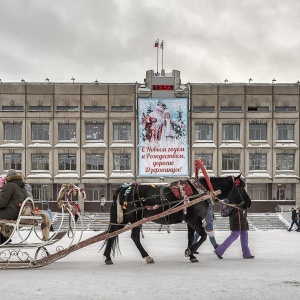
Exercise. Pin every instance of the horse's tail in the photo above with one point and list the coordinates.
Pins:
(113, 242)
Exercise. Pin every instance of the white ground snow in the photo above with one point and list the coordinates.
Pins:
(273, 274)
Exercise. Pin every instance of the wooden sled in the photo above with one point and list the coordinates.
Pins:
(26, 243)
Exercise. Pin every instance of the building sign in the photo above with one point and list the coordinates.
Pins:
(163, 137)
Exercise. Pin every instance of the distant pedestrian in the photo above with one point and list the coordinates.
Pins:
(294, 220)
(76, 210)
(239, 228)
(209, 229)
(102, 203)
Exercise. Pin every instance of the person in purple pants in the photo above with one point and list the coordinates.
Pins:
(239, 228)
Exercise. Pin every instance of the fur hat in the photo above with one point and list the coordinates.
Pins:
(11, 172)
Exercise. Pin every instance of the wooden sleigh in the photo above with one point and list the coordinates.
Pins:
(28, 237)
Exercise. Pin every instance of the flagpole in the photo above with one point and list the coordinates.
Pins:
(162, 54)
(157, 57)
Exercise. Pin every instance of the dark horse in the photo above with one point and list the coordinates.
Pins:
(140, 201)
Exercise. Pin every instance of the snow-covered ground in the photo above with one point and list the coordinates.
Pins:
(273, 274)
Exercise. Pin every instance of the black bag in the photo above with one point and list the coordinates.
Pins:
(225, 209)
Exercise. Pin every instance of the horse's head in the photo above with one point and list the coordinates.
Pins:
(239, 194)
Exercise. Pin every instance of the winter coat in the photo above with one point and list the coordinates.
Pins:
(294, 215)
(238, 220)
(12, 195)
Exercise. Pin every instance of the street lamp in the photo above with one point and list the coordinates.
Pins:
(273, 80)
(226, 80)
(73, 79)
(47, 79)
(250, 79)
(22, 80)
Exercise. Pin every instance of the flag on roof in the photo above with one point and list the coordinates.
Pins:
(156, 44)
(162, 44)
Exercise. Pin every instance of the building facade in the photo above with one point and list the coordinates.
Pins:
(87, 134)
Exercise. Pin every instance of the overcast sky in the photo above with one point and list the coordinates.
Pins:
(113, 40)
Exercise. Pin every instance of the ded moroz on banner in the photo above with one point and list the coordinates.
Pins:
(163, 137)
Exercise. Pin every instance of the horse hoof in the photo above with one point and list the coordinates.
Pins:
(109, 262)
(194, 260)
(149, 260)
(187, 252)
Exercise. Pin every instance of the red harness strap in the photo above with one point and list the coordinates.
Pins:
(199, 164)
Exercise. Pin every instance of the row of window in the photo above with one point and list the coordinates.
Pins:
(96, 108)
(122, 161)
(231, 132)
(67, 132)
(122, 132)
(274, 191)
(67, 162)
(257, 162)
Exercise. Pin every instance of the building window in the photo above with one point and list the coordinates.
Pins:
(122, 162)
(284, 132)
(257, 191)
(231, 109)
(122, 108)
(258, 109)
(230, 162)
(94, 132)
(67, 162)
(230, 132)
(94, 108)
(40, 193)
(258, 132)
(122, 132)
(284, 191)
(40, 162)
(95, 162)
(203, 109)
(94, 192)
(39, 108)
(12, 132)
(12, 161)
(40, 132)
(257, 162)
(67, 132)
(67, 108)
(285, 108)
(204, 132)
(12, 108)
(207, 160)
(285, 162)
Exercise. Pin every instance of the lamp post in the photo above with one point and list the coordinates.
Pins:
(226, 80)
(47, 79)
(250, 79)
(273, 80)
(73, 79)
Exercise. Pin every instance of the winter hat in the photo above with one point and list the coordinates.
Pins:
(2, 181)
(11, 172)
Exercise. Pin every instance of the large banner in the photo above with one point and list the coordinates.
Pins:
(163, 136)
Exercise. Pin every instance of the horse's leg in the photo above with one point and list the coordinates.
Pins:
(108, 248)
(188, 252)
(136, 237)
(111, 245)
(203, 236)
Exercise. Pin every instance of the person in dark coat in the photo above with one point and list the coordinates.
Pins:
(239, 228)
(11, 197)
(294, 219)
